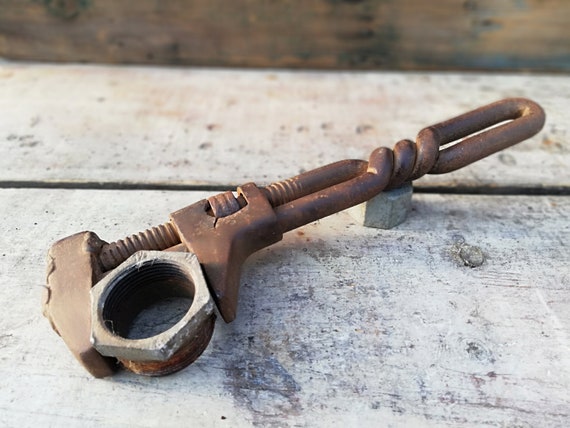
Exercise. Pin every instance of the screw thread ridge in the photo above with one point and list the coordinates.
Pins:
(156, 238)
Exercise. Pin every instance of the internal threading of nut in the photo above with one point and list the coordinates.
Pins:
(181, 359)
(141, 286)
(156, 238)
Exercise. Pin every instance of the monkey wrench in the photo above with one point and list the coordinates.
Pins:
(95, 289)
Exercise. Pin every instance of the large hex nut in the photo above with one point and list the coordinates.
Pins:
(142, 279)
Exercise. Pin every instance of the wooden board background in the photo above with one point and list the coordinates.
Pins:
(95, 126)
(338, 324)
(363, 34)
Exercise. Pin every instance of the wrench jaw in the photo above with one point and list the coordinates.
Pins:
(73, 269)
(223, 244)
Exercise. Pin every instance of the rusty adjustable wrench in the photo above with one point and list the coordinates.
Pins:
(95, 289)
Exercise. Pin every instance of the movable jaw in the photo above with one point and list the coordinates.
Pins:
(223, 244)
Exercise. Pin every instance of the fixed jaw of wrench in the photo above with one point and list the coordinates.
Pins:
(96, 289)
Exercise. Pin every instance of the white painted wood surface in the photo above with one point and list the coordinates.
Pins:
(338, 325)
(220, 127)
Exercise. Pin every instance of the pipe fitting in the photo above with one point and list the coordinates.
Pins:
(144, 279)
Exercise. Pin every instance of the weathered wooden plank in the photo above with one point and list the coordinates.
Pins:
(193, 126)
(373, 34)
(337, 324)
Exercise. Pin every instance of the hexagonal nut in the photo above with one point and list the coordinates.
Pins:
(143, 279)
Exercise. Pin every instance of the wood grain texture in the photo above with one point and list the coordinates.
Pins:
(458, 317)
(187, 127)
(366, 34)
(337, 324)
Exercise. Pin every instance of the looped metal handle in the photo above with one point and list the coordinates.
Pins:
(525, 118)
(329, 189)
(319, 193)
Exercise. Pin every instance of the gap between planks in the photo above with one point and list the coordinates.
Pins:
(121, 185)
